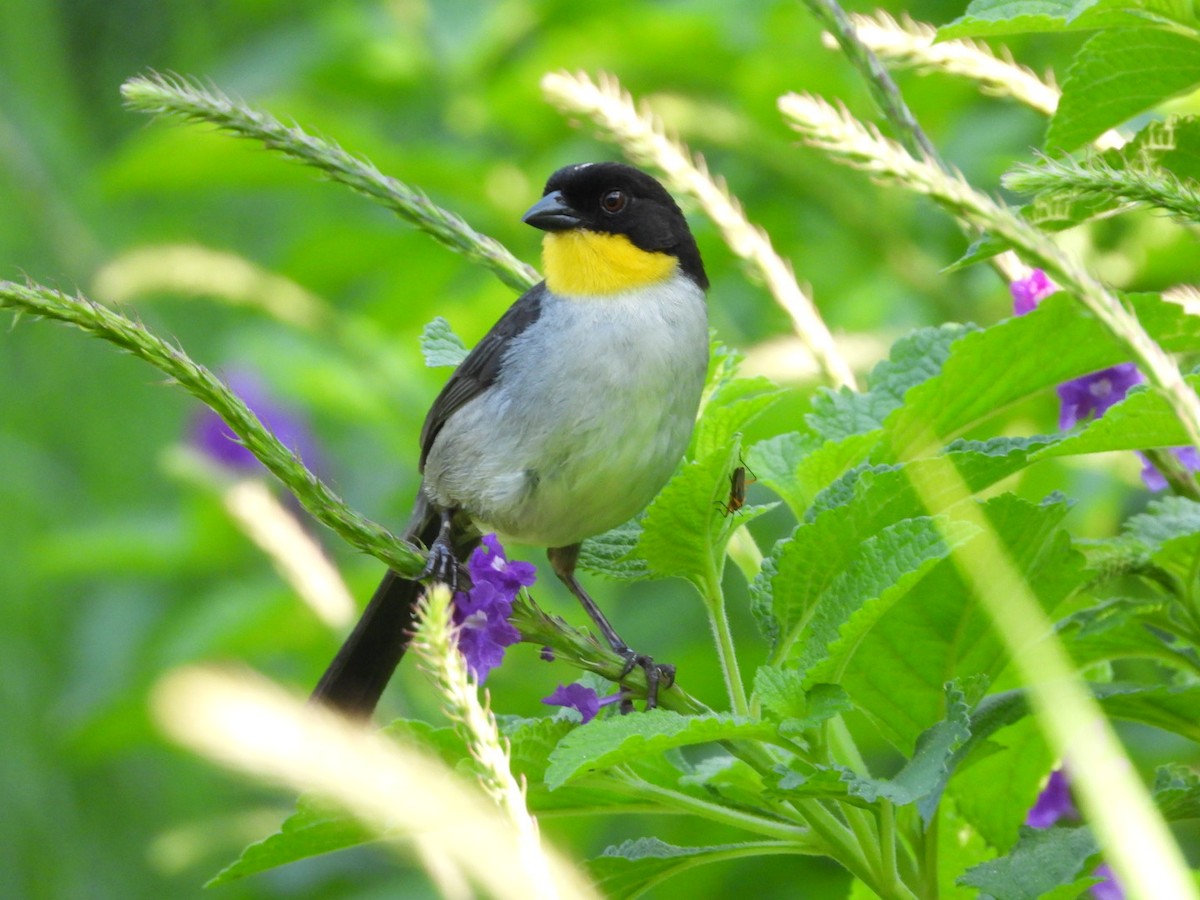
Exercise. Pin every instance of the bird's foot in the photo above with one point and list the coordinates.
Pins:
(658, 675)
(443, 567)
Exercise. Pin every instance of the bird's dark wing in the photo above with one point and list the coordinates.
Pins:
(478, 371)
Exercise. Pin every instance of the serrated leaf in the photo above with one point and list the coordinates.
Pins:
(531, 743)
(986, 18)
(604, 743)
(734, 403)
(785, 697)
(797, 466)
(630, 868)
(919, 778)
(1118, 74)
(1143, 420)
(996, 792)
(686, 527)
(895, 671)
(1177, 792)
(1174, 709)
(886, 567)
(1043, 859)
(870, 498)
(735, 781)
(1056, 342)
(314, 829)
(612, 553)
(440, 345)
(839, 414)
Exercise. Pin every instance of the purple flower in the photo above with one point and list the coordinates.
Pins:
(580, 698)
(482, 612)
(547, 654)
(1053, 803)
(212, 437)
(1188, 457)
(1109, 888)
(1031, 290)
(1093, 394)
(489, 564)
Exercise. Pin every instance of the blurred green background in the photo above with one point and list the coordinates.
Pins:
(116, 566)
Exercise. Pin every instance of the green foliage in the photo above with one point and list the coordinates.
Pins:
(879, 721)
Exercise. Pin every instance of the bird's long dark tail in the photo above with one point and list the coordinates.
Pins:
(356, 678)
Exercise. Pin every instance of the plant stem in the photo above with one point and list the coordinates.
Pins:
(314, 495)
(180, 97)
(714, 605)
(715, 812)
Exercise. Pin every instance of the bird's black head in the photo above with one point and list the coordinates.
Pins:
(614, 199)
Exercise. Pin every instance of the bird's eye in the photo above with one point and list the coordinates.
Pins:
(613, 202)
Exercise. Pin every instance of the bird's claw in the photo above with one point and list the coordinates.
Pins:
(657, 674)
(443, 567)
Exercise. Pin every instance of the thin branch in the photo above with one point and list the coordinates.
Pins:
(179, 96)
(849, 141)
(314, 495)
(911, 43)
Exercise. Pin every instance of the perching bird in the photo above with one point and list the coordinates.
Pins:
(566, 419)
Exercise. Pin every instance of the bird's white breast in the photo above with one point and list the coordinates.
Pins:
(591, 413)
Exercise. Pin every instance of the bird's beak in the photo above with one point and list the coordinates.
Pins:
(552, 213)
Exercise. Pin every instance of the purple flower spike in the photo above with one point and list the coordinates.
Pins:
(580, 698)
(1093, 394)
(482, 612)
(1053, 803)
(1154, 480)
(489, 564)
(1031, 290)
(212, 437)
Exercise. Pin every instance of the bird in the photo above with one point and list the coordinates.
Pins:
(564, 421)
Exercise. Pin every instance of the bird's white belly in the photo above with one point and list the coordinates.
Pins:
(590, 416)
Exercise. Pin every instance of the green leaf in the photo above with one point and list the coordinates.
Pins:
(1043, 859)
(917, 357)
(686, 527)
(797, 707)
(440, 345)
(985, 18)
(1056, 342)
(919, 778)
(885, 568)
(900, 689)
(1118, 74)
(994, 793)
(312, 830)
(531, 742)
(982, 249)
(1177, 792)
(1174, 709)
(1143, 420)
(732, 406)
(604, 743)
(612, 553)
(797, 466)
(630, 868)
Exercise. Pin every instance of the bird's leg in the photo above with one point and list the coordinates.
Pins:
(442, 564)
(562, 560)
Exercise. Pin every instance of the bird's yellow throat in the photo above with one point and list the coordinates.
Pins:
(589, 262)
